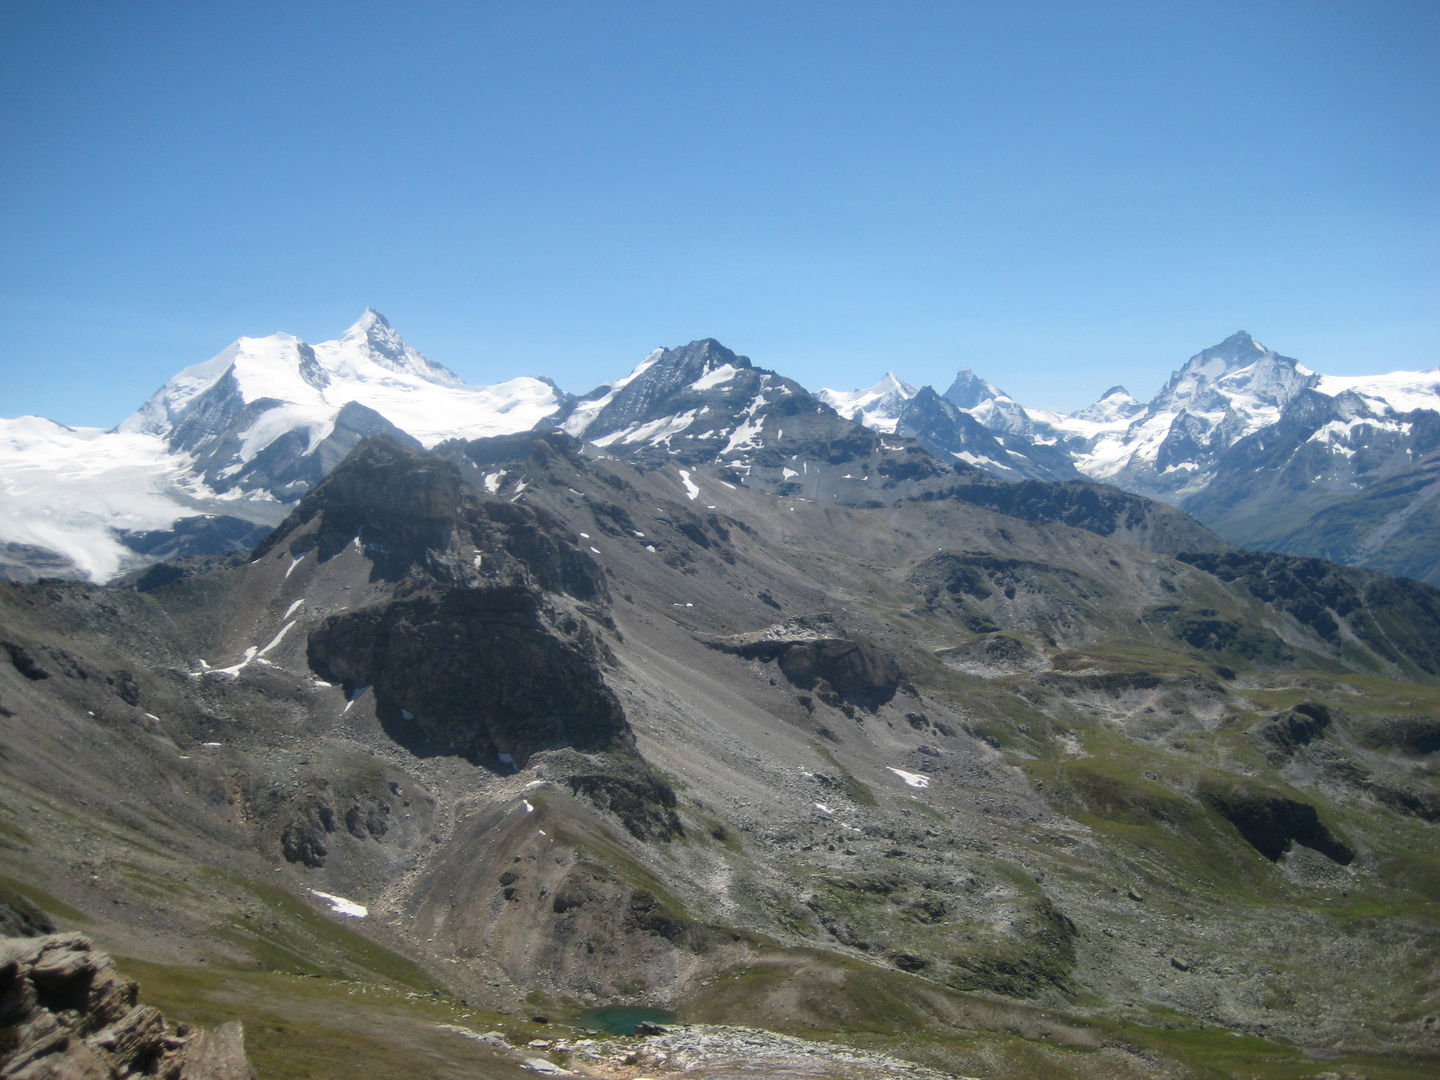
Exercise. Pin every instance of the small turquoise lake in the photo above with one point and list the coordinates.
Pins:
(621, 1019)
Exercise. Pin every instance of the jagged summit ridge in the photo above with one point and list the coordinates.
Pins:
(377, 339)
(1251, 441)
(969, 390)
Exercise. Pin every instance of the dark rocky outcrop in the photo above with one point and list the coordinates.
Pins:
(25, 663)
(644, 803)
(1417, 735)
(67, 1014)
(21, 917)
(479, 672)
(399, 504)
(1292, 729)
(815, 654)
(1271, 822)
(1212, 631)
(471, 657)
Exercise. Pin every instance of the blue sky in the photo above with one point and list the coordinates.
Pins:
(1062, 196)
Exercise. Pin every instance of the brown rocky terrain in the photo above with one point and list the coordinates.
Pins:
(67, 1014)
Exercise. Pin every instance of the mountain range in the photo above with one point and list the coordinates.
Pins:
(1264, 451)
(697, 727)
(1253, 444)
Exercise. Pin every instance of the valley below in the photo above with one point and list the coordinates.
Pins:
(849, 771)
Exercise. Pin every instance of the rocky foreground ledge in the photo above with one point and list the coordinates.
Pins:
(67, 1014)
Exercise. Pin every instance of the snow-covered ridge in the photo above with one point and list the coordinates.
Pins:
(242, 434)
(369, 364)
(1402, 391)
(1166, 448)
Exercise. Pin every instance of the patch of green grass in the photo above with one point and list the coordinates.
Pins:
(305, 1028)
(859, 793)
(293, 937)
(11, 890)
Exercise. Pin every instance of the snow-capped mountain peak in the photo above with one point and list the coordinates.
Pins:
(988, 404)
(969, 390)
(373, 337)
(242, 434)
(1239, 369)
(1116, 404)
(877, 407)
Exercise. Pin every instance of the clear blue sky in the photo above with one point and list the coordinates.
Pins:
(1061, 196)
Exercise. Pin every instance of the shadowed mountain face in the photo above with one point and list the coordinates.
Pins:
(474, 652)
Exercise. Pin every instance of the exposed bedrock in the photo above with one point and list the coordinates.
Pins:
(1282, 735)
(67, 1014)
(815, 654)
(477, 672)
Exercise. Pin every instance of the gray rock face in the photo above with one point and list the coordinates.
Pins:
(69, 1015)
(663, 387)
(815, 654)
(481, 672)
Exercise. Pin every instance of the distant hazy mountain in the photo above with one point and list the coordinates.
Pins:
(1256, 445)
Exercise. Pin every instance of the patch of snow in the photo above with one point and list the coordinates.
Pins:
(292, 608)
(234, 669)
(293, 563)
(277, 638)
(691, 488)
(915, 780)
(340, 906)
(653, 432)
(721, 375)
